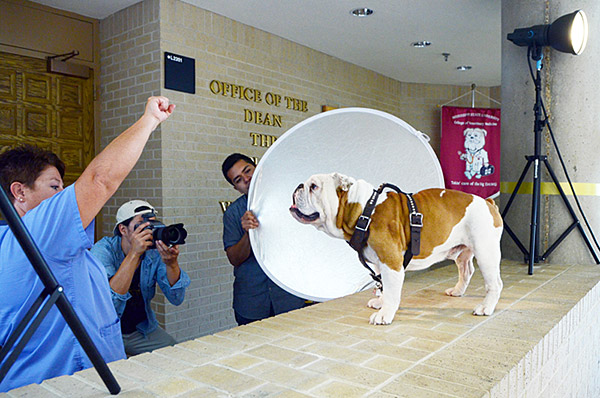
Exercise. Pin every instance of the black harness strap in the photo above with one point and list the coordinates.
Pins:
(416, 223)
(361, 230)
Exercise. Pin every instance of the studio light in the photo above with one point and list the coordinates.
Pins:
(568, 34)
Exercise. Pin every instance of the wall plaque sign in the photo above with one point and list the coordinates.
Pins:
(180, 73)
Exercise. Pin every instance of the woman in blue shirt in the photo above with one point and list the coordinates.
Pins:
(61, 223)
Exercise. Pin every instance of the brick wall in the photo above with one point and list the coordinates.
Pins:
(180, 169)
(129, 74)
(565, 362)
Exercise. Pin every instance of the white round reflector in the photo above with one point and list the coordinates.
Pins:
(358, 142)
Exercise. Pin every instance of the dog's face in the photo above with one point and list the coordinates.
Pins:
(316, 201)
(474, 139)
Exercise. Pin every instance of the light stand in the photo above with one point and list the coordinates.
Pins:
(558, 35)
(52, 294)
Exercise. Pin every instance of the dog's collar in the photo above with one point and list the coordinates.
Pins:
(359, 238)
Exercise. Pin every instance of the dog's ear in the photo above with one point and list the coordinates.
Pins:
(342, 181)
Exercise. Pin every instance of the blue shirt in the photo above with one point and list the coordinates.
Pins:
(153, 270)
(253, 292)
(56, 227)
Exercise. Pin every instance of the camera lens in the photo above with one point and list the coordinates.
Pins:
(171, 234)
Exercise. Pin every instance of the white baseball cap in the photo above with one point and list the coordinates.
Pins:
(131, 209)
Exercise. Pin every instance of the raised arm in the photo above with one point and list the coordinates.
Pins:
(103, 176)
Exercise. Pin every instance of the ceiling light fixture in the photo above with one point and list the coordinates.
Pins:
(421, 44)
(463, 67)
(361, 12)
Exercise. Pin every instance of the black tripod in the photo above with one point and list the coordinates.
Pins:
(52, 294)
(532, 255)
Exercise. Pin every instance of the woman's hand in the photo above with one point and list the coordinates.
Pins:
(159, 108)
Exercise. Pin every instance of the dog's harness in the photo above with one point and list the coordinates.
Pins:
(361, 230)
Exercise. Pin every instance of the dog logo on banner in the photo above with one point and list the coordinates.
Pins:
(476, 158)
(470, 150)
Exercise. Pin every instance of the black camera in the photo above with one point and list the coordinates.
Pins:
(170, 235)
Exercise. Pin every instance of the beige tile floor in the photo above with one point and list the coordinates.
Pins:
(434, 348)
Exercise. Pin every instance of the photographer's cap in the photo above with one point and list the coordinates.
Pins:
(131, 209)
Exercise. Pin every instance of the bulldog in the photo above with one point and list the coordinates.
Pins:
(456, 226)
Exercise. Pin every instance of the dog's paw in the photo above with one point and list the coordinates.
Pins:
(454, 292)
(483, 310)
(380, 318)
(375, 303)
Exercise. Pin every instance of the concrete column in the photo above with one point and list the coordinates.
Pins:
(571, 95)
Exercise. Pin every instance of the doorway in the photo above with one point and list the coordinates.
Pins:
(49, 110)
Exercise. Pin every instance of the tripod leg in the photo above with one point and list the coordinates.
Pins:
(573, 215)
(29, 331)
(67, 311)
(514, 237)
(516, 189)
(534, 237)
(507, 207)
(18, 331)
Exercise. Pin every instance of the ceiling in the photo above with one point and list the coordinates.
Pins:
(469, 30)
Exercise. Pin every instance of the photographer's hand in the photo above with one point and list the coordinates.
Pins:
(169, 257)
(141, 239)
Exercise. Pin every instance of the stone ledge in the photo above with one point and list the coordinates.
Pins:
(543, 340)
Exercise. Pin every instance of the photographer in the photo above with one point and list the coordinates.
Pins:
(60, 220)
(134, 263)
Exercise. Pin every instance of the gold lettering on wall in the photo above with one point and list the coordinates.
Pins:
(262, 140)
(296, 104)
(225, 204)
(273, 99)
(235, 91)
(267, 119)
(255, 95)
(251, 94)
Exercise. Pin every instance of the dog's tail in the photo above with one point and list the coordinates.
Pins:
(495, 212)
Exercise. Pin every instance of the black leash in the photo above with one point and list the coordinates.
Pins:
(361, 230)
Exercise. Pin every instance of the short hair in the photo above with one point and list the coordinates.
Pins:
(125, 224)
(231, 160)
(130, 210)
(24, 164)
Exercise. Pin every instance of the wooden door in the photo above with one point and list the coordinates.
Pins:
(49, 110)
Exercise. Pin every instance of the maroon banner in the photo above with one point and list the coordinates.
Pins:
(470, 150)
